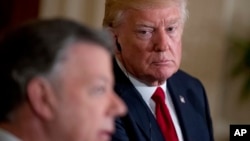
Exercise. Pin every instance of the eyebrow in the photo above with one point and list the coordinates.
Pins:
(144, 25)
(104, 79)
(150, 25)
(173, 21)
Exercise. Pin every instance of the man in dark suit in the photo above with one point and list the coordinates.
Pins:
(164, 103)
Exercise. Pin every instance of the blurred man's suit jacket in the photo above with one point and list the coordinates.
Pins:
(140, 124)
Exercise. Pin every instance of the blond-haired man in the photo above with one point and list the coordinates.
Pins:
(164, 103)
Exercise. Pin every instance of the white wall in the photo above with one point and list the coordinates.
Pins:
(207, 56)
(89, 12)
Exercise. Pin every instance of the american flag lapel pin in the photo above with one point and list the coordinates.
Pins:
(182, 99)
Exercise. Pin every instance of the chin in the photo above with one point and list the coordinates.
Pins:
(165, 73)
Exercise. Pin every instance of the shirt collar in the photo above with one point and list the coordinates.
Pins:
(145, 91)
(5, 135)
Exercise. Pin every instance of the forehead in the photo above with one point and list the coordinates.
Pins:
(166, 15)
(144, 4)
(140, 4)
(82, 59)
(87, 53)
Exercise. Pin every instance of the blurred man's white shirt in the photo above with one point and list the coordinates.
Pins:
(7, 136)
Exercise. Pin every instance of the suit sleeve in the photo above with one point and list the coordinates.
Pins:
(208, 117)
(205, 108)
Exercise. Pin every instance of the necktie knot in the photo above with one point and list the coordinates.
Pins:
(163, 116)
(158, 95)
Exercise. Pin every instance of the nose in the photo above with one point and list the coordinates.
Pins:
(117, 106)
(161, 41)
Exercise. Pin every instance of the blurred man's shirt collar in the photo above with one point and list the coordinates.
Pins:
(7, 136)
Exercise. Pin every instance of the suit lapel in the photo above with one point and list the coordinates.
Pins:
(190, 115)
(136, 105)
(137, 110)
(186, 114)
(179, 106)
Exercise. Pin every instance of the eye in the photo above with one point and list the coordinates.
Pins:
(98, 90)
(144, 33)
(169, 29)
(172, 30)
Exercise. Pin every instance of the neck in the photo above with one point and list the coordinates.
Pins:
(149, 81)
(25, 126)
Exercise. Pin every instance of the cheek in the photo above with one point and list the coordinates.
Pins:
(178, 54)
(179, 50)
(139, 60)
(138, 50)
(80, 109)
(87, 122)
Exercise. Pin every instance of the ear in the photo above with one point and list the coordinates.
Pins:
(41, 97)
(114, 33)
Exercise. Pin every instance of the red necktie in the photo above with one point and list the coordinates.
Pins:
(163, 116)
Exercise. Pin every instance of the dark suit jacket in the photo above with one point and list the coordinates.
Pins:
(140, 124)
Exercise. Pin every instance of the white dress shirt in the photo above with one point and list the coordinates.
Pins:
(148, 91)
(7, 136)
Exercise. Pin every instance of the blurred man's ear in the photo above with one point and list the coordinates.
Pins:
(41, 98)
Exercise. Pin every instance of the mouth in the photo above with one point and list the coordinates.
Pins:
(105, 135)
(162, 62)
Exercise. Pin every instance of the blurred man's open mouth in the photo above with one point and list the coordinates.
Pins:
(105, 135)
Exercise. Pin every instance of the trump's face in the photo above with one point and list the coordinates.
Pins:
(150, 41)
(86, 106)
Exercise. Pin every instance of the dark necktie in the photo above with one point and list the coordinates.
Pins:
(163, 116)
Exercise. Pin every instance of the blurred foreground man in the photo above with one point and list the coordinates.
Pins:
(57, 84)
(164, 103)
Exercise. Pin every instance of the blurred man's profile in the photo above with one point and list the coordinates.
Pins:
(57, 84)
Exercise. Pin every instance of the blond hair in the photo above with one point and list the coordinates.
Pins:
(114, 9)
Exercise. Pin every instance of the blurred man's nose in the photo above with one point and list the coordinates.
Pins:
(118, 107)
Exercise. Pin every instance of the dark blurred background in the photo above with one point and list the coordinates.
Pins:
(15, 12)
